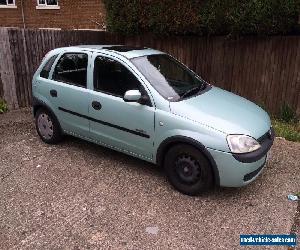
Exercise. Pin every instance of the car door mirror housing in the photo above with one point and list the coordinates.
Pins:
(132, 96)
(144, 100)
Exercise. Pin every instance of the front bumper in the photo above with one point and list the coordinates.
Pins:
(234, 173)
(236, 170)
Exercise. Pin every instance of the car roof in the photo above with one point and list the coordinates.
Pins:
(124, 50)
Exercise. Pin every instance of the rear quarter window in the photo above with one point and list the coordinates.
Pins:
(46, 69)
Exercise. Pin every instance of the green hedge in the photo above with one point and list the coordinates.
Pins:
(206, 17)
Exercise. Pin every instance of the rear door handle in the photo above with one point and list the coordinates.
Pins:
(53, 93)
(96, 105)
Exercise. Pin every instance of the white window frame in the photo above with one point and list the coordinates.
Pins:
(9, 5)
(46, 6)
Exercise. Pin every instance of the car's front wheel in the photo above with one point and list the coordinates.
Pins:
(47, 126)
(188, 170)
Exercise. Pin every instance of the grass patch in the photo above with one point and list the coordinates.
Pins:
(287, 130)
(3, 106)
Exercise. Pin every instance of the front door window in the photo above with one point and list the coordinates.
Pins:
(112, 77)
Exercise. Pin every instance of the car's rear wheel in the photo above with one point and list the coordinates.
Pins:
(47, 126)
(188, 170)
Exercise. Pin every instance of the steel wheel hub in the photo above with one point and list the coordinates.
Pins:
(187, 169)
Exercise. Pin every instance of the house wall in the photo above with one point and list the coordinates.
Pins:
(72, 14)
(11, 17)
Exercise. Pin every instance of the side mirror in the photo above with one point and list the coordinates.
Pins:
(132, 96)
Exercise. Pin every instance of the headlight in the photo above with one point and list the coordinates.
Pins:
(242, 144)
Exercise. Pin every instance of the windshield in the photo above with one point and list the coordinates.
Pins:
(169, 77)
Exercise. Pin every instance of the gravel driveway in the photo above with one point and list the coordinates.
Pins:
(77, 195)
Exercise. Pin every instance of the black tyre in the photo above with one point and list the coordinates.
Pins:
(188, 170)
(47, 126)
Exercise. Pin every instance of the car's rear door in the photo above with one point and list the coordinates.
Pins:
(67, 90)
(126, 126)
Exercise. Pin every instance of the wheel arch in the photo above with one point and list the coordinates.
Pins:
(171, 141)
(37, 107)
(38, 104)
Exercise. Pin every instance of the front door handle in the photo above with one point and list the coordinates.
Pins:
(53, 93)
(96, 105)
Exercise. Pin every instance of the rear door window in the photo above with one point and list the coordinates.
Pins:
(46, 69)
(72, 69)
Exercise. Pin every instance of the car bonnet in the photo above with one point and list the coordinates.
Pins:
(224, 111)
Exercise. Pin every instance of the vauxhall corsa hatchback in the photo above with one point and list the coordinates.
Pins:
(145, 103)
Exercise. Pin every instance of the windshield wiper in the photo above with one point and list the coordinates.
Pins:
(193, 90)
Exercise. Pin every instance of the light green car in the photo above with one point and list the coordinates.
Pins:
(146, 104)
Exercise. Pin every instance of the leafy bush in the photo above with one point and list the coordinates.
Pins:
(204, 17)
(287, 114)
(264, 17)
(133, 16)
(3, 106)
(120, 18)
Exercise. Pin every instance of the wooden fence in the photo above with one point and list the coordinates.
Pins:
(264, 70)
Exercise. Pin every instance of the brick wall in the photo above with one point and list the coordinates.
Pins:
(73, 14)
(11, 17)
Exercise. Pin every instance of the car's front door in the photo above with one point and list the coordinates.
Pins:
(125, 126)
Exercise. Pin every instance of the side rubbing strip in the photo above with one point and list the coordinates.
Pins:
(105, 123)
